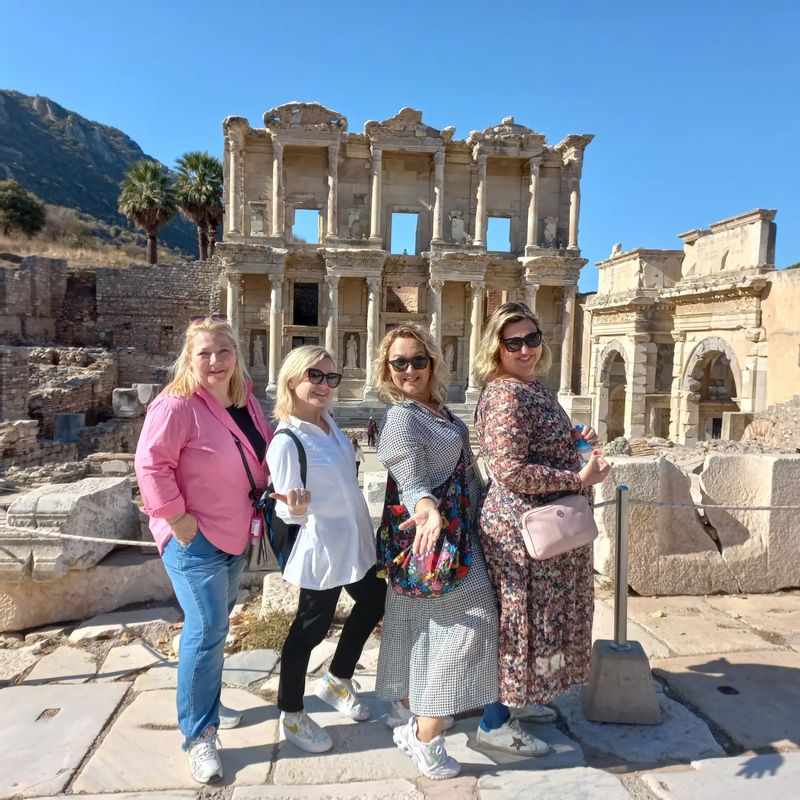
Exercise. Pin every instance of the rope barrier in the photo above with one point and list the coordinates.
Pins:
(45, 533)
(722, 506)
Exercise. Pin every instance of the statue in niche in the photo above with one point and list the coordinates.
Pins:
(353, 222)
(457, 231)
(450, 356)
(550, 231)
(351, 352)
(258, 352)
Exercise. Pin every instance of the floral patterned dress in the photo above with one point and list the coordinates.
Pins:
(546, 607)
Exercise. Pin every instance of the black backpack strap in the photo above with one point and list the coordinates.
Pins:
(301, 453)
(254, 493)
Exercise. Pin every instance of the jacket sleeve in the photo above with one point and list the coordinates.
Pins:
(401, 449)
(164, 434)
(284, 469)
(506, 441)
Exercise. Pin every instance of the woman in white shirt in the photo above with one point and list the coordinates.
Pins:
(335, 547)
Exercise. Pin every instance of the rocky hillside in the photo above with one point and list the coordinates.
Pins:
(68, 160)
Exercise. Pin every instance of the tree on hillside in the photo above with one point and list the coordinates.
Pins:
(148, 199)
(20, 210)
(198, 187)
(215, 216)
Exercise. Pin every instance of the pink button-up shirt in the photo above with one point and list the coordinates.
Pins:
(187, 460)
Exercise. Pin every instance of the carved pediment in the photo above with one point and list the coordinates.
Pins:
(407, 122)
(304, 116)
(508, 132)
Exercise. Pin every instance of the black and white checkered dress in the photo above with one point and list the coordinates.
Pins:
(440, 653)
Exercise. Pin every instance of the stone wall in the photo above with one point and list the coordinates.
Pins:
(31, 297)
(781, 321)
(14, 382)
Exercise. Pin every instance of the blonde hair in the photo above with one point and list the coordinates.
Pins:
(487, 360)
(440, 374)
(183, 380)
(294, 368)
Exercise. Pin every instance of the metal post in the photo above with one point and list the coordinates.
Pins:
(621, 576)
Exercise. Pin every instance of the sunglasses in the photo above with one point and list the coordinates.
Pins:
(316, 376)
(196, 320)
(417, 362)
(514, 344)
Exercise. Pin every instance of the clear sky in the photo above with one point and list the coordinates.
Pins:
(694, 103)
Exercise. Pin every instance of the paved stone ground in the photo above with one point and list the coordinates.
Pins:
(95, 717)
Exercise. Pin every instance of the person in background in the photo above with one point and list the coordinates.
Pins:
(372, 432)
(527, 441)
(357, 452)
(334, 549)
(196, 492)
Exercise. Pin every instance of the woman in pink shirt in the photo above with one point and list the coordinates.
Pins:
(190, 464)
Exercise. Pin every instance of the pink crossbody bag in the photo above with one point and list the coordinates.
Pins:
(558, 527)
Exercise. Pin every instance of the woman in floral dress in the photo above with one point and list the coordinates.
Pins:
(527, 441)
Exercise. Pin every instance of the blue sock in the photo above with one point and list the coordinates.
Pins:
(494, 715)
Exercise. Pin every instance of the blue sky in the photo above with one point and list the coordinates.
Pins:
(693, 103)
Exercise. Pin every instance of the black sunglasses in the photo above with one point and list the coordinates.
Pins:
(316, 376)
(514, 344)
(417, 362)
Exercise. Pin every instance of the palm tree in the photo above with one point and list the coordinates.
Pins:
(198, 186)
(215, 216)
(148, 199)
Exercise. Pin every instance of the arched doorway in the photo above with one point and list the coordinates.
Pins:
(612, 390)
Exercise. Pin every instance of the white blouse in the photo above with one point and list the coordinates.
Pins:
(336, 543)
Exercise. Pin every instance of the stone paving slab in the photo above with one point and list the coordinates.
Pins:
(689, 626)
(14, 663)
(383, 790)
(64, 665)
(169, 795)
(320, 654)
(248, 666)
(163, 675)
(105, 625)
(603, 628)
(462, 745)
(775, 616)
(143, 749)
(47, 731)
(761, 710)
(127, 659)
(769, 776)
(681, 736)
(578, 783)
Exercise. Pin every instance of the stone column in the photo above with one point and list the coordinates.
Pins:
(435, 308)
(574, 211)
(565, 385)
(278, 210)
(636, 388)
(332, 327)
(480, 211)
(373, 334)
(275, 331)
(232, 183)
(677, 432)
(234, 299)
(531, 288)
(438, 192)
(333, 190)
(375, 208)
(476, 317)
(533, 211)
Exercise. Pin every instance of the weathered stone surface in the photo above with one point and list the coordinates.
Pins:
(14, 663)
(375, 492)
(176, 794)
(127, 659)
(578, 783)
(64, 665)
(681, 736)
(320, 654)
(99, 507)
(124, 577)
(248, 666)
(769, 776)
(670, 551)
(278, 595)
(774, 617)
(753, 697)
(126, 403)
(46, 733)
(139, 620)
(761, 548)
(383, 790)
(163, 675)
(142, 751)
(603, 628)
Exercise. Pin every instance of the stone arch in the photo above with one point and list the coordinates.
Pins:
(612, 385)
(708, 348)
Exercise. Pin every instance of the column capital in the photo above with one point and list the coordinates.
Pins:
(377, 151)
(480, 158)
(477, 286)
(333, 150)
(534, 164)
(277, 149)
(438, 157)
(374, 284)
(530, 280)
(678, 336)
(570, 290)
(436, 284)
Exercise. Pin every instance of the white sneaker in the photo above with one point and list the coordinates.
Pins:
(301, 730)
(533, 712)
(342, 695)
(400, 715)
(430, 758)
(511, 738)
(228, 718)
(204, 757)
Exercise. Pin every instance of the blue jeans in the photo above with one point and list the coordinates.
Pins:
(206, 582)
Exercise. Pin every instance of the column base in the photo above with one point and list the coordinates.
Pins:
(472, 395)
(578, 407)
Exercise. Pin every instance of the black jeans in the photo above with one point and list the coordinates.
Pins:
(312, 622)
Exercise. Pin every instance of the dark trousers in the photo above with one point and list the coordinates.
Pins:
(312, 622)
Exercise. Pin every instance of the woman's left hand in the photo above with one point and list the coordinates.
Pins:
(588, 433)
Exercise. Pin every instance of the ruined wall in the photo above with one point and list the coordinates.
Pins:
(14, 382)
(781, 321)
(31, 297)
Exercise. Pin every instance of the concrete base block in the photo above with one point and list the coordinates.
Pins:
(620, 686)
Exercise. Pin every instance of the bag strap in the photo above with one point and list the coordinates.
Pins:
(301, 453)
(253, 494)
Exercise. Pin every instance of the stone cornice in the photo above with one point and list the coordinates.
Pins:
(406, 131)
(720, 288)
(638, 252)
(353, 262)
(306, 117)
(553, 270)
